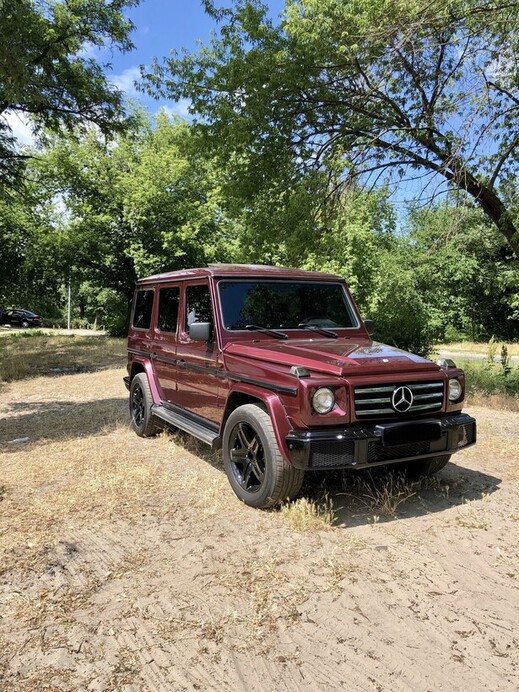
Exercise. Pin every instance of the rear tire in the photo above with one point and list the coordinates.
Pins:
(256, 470)
(426, 467)
(143, 422)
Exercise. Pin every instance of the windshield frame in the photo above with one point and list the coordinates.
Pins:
(291, 331)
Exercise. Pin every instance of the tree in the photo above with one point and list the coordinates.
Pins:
(465, 272)
(143, 203)
(46, 72)
(418, 87)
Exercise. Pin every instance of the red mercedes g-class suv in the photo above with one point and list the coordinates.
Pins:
(277, 367)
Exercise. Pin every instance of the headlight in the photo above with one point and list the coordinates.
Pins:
(323, 400)
(455, 390)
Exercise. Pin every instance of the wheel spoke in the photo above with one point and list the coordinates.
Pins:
(259, 471)
(246, 455)
(241, 434)
(255, 446)
(238, 456)
(138, 406)
(246, 477)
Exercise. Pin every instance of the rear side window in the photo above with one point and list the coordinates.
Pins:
(143, 309)
(198, 305)
(168, 309)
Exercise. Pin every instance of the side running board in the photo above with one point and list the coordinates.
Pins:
(187, 424)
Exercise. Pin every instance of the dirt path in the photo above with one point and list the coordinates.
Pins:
(128, 564)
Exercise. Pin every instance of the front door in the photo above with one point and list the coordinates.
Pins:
(197, 361)
(165, 342)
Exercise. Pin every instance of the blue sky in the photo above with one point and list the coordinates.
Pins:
(162, 26)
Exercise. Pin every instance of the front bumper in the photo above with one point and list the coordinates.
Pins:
(380, 443)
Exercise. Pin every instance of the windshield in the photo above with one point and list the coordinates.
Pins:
(285, 305)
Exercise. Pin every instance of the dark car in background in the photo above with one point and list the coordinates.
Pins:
(18, 317)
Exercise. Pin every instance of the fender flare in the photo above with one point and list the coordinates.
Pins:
(144, 365)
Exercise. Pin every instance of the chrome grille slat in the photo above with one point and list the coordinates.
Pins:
(370, 390)
(376, 401)
(433, 395)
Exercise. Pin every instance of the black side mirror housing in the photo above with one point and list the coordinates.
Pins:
(200, 331)
(370, 326)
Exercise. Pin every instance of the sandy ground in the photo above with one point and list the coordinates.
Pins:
(152, 576)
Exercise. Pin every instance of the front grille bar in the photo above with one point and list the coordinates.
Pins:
(370, 401)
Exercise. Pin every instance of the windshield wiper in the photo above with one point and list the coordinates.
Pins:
(274, 332)
(321, 330)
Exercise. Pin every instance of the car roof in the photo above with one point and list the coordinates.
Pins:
(239, 271)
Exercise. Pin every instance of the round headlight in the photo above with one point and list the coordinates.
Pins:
(455, 390)
(323, 400)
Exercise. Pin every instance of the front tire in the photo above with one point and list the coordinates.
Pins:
(426, 467)
(256, 470)
(141, 401)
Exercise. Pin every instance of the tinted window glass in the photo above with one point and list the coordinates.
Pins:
(280, 305)
(143, 308)
(168, 309)
(198, 305)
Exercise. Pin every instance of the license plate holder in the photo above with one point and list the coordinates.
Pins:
(395, 434)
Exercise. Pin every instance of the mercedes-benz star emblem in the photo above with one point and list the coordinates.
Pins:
(402, 399)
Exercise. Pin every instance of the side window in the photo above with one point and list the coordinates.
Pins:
(198, 305)
(143, 309)
(168, 309)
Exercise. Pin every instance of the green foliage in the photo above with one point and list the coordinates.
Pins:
(400, 313)
(361, 87)
(29, 276)
(354, 243)
(46, 72)
(465, 272)
(146, 202)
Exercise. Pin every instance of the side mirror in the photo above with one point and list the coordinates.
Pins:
(200, 331)
(370, 326)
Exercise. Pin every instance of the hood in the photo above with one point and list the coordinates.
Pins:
(340, 357)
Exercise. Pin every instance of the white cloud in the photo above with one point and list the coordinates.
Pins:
(91, 50)
(126, 80)
(20, 127)
(179, 108)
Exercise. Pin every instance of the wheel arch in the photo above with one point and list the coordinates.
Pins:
(145, 366)
(270, 402)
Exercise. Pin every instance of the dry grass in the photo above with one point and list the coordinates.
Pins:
(470, 516)
(309, 515)
(380, 494)
(477, 348)
(503, 402)
(29, 355)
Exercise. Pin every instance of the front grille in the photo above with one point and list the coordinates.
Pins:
(376, 400)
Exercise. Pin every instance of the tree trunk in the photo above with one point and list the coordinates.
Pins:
(491, 205)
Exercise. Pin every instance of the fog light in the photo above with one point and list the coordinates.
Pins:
(323, 400)
(455, 390)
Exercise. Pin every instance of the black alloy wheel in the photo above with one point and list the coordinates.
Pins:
(247, 457)
(254, 465)
(143, 421)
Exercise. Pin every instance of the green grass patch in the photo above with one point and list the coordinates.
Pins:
(490, 378)
(31, 353)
